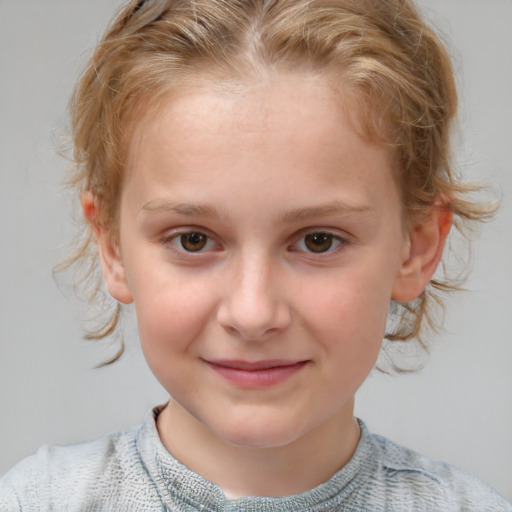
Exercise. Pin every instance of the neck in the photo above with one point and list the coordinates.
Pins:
(275, 471)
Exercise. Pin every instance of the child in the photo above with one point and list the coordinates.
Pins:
(262, 179)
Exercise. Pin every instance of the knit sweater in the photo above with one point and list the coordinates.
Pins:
(132, 471)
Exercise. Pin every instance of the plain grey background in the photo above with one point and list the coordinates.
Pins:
(458, 409)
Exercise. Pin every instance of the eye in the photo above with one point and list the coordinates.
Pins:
(318, 242)
(192, 241)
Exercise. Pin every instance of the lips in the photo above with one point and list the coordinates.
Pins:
(259, 374)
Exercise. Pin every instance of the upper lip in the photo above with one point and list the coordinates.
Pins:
(254, 365)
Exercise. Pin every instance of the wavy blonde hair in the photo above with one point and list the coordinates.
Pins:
(380, 51)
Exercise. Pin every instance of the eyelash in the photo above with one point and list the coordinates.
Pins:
(334, 241)
(176, 240)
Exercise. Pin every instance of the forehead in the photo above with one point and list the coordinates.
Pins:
(203, 106)
(293, 128)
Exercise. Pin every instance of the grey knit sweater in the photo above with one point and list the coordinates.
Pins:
(132, 471)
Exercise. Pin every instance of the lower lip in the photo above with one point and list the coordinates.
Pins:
(257, 379)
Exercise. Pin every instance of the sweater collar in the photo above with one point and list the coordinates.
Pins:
(183, 490)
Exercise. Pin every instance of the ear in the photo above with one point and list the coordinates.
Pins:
(422, 252)
(112, 264)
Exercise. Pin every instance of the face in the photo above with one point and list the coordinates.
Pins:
(261, 241)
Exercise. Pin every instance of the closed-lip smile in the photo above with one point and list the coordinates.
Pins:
(256, 374)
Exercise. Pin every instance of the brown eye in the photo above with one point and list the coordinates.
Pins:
(193, 241)
(318, 242)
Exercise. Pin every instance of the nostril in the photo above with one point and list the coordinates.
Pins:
(252, 307)
(255, 324)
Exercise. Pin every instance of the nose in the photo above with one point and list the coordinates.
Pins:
(254, 305)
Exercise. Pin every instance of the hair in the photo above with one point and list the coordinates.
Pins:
(380, 52)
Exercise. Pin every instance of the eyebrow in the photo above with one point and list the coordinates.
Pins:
(326, 209)
(298, 214)
(181, 208)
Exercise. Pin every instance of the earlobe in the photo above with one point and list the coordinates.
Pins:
(111, 260)
(114, 271)
(424, 249)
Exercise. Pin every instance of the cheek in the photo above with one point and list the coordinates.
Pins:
(172, 311)
(351, 328)
(349, 303)
(172, 319)
(347, 315)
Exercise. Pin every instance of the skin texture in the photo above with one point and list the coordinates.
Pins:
(254, 173)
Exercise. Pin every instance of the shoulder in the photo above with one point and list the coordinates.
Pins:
(435, 485)
(72, 477)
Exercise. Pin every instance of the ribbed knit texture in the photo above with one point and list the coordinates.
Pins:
(132, 471)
